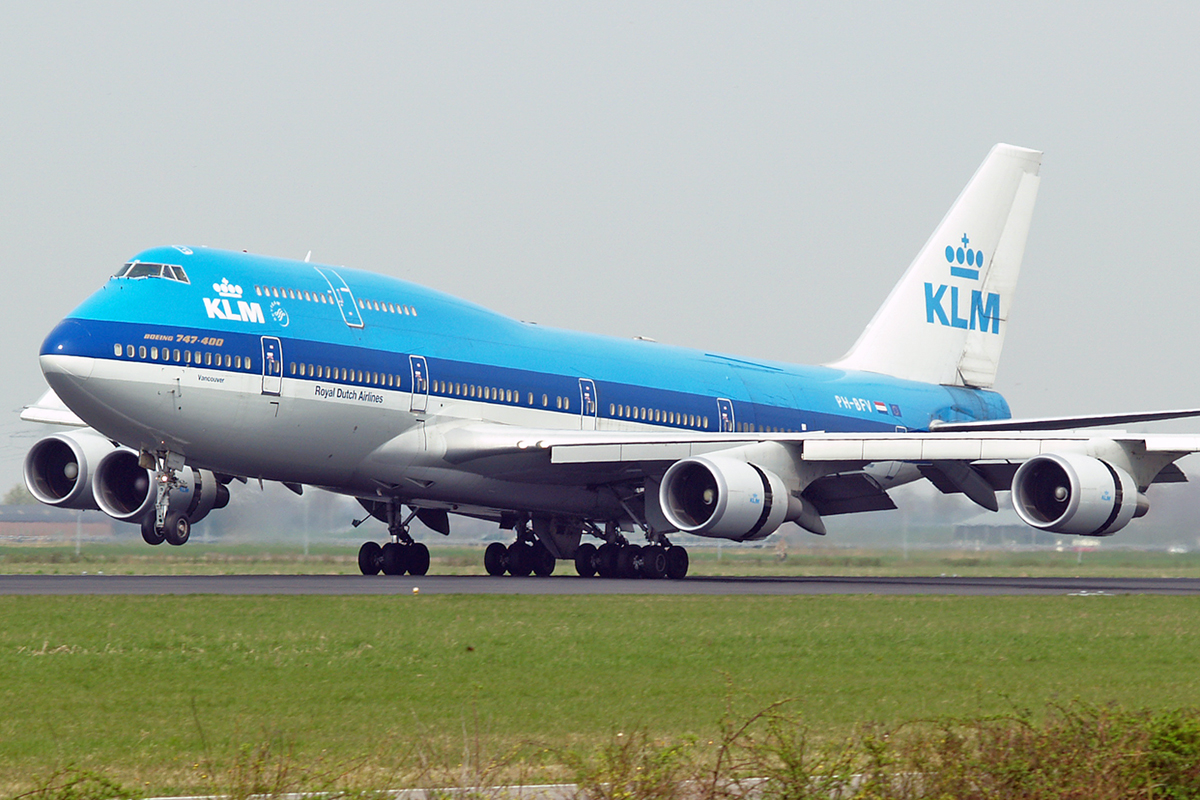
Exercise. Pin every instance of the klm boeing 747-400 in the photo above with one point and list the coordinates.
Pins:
(193, 367)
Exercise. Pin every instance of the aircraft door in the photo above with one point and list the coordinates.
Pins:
(420, 383)
(272, 365)
(588, 405)
(725, 421)
(343, 297)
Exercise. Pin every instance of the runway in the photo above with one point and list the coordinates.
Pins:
(574, 585)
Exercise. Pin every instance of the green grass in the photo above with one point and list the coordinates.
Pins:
(136, 558)
(157, 692)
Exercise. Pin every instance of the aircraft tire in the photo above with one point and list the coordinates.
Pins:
(149, 534)
(520, 560)
(370, 558)
(606, 559)
(177, 528)
(628, 559)
(585, 560)
(495, 559)
(654, 561)
(394, 560)
(418, 559)
(677, 562)
(543, 561)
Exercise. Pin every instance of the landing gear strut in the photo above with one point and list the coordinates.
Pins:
(162, 524)
(398, 556)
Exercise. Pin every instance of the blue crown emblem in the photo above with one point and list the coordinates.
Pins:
(972, 258)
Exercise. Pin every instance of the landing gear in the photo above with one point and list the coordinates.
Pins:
(495, 559)
(161, 523)
(370, 558)
(149, 533)
(398, 556)
(677, 562)
(586, 560)
(538, 546)
(177, 528)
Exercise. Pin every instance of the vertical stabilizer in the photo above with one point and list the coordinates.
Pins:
(945, 321)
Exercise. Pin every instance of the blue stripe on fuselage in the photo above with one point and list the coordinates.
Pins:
(467, 344)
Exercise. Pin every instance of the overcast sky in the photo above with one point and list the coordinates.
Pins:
(746, 177)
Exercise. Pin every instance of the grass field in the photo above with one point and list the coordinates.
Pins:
(136, 558)
(166, 694)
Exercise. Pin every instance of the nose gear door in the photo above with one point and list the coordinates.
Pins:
(272, 361)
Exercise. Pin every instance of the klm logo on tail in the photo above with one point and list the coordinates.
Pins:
(983, 313)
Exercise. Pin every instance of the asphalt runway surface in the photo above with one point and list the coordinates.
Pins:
(574, 585)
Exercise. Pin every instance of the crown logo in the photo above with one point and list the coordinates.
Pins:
(227, 289)
(964, 255)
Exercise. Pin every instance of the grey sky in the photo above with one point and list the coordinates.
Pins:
(749, 177)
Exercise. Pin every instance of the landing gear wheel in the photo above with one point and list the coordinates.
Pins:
(585, 559)
(370, 558)
(677, 562)
(394, 560)
(629, 561)
(149, 533)
(495, 559)
(606, 559)
(520, 560)
(654, 561)
(177, 528)
(543, 561)
(418, 559)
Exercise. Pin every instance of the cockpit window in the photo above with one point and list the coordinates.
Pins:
(138, 269)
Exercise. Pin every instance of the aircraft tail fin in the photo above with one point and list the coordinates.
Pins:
(945, 321)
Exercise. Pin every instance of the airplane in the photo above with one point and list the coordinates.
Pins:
(194, 367)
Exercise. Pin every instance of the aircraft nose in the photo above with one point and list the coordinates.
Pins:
(67, 351)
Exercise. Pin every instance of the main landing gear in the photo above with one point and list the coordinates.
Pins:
(615, 558)
(398, 556)
(523, 557)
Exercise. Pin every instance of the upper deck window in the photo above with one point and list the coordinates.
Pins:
(139, 269)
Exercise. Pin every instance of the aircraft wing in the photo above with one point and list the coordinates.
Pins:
(832, 473)
(52, 411)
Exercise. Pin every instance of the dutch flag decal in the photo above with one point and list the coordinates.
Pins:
(881, 407)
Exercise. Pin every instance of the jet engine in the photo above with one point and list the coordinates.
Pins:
(724, 498)
(60, 468)
(1078, 494)
(126, 491)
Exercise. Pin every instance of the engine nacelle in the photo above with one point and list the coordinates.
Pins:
(1073, 493)
(126, 491)
(723, 498)
(60, 469)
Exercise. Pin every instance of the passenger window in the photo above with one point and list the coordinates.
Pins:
(129, 350)
(178, 356)
(706, 423)
(117, 350)
(154, 354)
(208, 359)
(228, 360)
